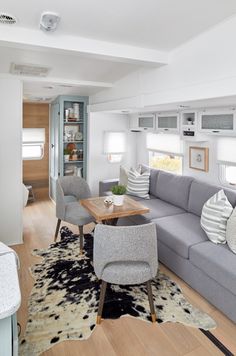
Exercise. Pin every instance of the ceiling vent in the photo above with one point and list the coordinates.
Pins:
(7, 19)
(32, 70)
(49, 21)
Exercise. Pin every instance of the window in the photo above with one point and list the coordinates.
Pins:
(165, 152)
(226, 159)
(33, 143)
(169, 163)
(114, 145)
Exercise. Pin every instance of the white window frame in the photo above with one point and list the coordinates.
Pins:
(222, 174)
(36, 138)
(32, 158)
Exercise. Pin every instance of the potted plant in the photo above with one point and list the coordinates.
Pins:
(118, 192)
(66, 154)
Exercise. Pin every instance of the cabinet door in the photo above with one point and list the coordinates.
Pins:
(54, 148)
(146, 122)
(168, 123)
(217, 122)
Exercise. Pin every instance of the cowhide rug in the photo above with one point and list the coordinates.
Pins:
(64, 300)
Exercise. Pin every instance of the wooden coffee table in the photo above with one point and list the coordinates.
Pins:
(110, 215)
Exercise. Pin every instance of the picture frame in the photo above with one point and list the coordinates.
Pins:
(199, 158)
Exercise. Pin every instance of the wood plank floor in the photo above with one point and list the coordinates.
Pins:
(125, 336)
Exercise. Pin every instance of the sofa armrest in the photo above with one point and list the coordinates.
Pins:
(105, 185)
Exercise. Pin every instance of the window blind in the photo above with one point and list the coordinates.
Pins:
(114, 142)
(165, 143)
(226, 150)
(33, 135)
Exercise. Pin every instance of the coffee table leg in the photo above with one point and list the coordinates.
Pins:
(112, 222)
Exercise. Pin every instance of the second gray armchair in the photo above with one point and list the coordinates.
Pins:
(125, 255)
(69, 190)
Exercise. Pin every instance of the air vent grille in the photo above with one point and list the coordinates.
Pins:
(32, 70)
(7, 19)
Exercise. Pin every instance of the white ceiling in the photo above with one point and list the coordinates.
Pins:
(157, 24)
(136, 32)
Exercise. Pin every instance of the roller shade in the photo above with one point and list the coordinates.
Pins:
(165, 143)
(114, 142)
(33, 135)
(226, 150)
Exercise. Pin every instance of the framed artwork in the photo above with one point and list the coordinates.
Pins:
(199, 158)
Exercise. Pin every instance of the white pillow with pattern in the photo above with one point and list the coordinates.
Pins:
(231, 232)
(138, 183)
(215, 214)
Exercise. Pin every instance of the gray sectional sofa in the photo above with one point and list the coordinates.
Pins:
(175, 206)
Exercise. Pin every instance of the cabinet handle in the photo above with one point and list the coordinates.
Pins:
(52, 145)
(166, 129)
(215, 131)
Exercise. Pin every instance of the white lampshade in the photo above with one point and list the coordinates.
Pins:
(226, 149)
(114, 142)
(165, 143)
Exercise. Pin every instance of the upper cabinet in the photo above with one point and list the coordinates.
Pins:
(167, 122)
(142, 122)
(220, 122)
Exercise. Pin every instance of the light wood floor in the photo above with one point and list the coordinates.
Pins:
(125, 336)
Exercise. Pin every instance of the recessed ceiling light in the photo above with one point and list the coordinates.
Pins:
(184, 106)
(7, 19)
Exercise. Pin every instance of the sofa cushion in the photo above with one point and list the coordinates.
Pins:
(158, 209)
(173, 189)
(180, 232)
(153, 178)
(217, 261)
(200, 192)
(138, 183)
(215, 213)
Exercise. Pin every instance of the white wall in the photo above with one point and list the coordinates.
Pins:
(203, 68)
(10, 161)
(98, 166)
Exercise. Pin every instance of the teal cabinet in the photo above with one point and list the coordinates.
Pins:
(68, 138)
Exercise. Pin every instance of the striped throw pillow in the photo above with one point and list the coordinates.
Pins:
(215, 213)
(231, 232)
(138, 183)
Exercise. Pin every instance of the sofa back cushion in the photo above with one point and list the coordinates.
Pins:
(153, 178)
(173, 189)
(200, 192)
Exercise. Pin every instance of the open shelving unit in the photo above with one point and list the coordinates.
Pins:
(68, 132)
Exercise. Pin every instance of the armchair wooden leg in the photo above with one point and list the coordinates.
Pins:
(57, 228)
(150, 298)
(101, 301)
(81, 238)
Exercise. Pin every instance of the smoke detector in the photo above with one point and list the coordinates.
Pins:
(49, 21)
(32, 70)
(7, 19)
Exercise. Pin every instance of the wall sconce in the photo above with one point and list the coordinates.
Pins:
(114, 145)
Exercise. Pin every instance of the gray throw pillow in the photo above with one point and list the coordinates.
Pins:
(138, 183)
(215, 213)
(231, 231)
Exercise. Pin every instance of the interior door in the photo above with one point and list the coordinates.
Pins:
(54, 148)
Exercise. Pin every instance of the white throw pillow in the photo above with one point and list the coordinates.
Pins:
(138, 183)
(124, 172)
(215, 213)
(231, 231)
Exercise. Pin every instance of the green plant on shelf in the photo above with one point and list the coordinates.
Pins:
(118, 189)
(67, 151)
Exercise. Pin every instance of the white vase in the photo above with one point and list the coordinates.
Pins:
(118, 200)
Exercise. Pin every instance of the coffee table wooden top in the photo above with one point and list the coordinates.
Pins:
(100, 212)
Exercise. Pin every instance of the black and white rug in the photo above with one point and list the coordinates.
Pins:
(64, 300)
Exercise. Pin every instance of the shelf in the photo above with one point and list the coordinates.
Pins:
(73, 122)
(73, 141)
(71, 161)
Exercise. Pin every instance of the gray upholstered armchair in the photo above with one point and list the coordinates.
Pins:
(69, 190)
(125, 255)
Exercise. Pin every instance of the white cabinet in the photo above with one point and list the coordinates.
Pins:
(221, 123)
(189, 128)
(167, 122)
(142, 122)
